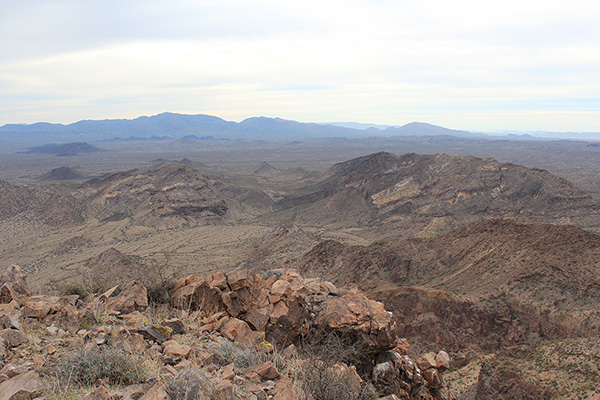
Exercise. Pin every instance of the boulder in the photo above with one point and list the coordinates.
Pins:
(13, 337)
(156, 392)
(442, 361)
(198, 295)
(175, 324)
(175, 350)
(132, 297)
(21, 387)
(365, 319)
(157, 333)
(13, 285)
(266, 370)
(239, 332)
(37, 307)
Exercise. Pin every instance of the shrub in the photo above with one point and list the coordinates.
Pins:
(242, 357)
(316, 379)
(111, 365)
(77, 288)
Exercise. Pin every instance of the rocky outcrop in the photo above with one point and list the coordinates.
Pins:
(283, 308)
(287, 307)
(243, 333)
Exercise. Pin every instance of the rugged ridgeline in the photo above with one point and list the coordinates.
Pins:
(381, 193)
(543, 276)
(429, 194)
(238, 335)
(162, 196)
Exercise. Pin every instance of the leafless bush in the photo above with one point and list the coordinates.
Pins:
(111, 365)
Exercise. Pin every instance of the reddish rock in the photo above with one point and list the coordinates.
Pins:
(101, 393)
(228, 371)
(218, 280)
(133, 297)
(36, 308)
(172, 348)
(284, 390)
(156, 392)
(239, 332)
(266, 370)
(175, 324)
(13, 285)
(258, 318)
(433, 377)
(279, 289)
(364, 318)
(241, 279)
(232, 305)
(427, 361)
(199, 295)
(21, 387)
(442, 361)
(13, 337)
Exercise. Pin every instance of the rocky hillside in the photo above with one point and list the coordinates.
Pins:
(168, 194)
(62, 174)
(240, 335)
(48, 204)
(544, 276)
(421, 193)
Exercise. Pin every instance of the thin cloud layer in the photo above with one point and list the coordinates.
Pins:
(464, 64)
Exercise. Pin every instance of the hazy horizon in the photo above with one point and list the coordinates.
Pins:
(522, 66)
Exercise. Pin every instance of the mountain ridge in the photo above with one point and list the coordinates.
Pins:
(201, 125)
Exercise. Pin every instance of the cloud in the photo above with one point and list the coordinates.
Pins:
(387, 61)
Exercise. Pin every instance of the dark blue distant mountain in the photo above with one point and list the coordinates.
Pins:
(203, 127)
(67, 149)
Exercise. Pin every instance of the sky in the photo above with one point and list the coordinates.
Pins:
(475, 65)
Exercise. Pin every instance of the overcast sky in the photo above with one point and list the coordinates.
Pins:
(477, 65)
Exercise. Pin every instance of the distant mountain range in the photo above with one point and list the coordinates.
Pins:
(168, 126)
(205, 127)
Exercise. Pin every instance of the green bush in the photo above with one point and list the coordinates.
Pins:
(77, 288)
(111, 365)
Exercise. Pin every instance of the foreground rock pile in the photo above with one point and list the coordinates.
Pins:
(239, 335)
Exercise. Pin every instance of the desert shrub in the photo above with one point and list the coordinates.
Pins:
(336, 347)
(242, 357)
(77, 288)
(316, 379)
(111, 365)
(321, 372)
